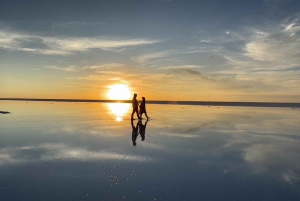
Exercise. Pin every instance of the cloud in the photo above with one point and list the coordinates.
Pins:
(14, 41)
(189, 71)
(150, 56)
(260, 59)
(181, 67)
(282, 44)
(73, 68)
(195, 73)
(67, 69)
(103, 75)
(76, 23)
(103, 66)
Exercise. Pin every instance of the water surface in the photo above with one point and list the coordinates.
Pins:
(85, 151)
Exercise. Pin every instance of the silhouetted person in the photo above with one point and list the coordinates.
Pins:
(142, 128)
(143, 108)
(135, 130)
(135, 107)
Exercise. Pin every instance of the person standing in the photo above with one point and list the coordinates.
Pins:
(135, 107)
(143, 108)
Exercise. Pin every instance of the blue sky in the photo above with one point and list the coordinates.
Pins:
(162, 49)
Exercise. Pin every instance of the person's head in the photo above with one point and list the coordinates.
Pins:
(143, 98)
(135, 95)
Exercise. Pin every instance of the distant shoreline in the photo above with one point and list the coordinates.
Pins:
(204, 103)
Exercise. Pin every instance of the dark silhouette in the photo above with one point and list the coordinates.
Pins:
(4, 112)
(135, 107)
(135, 130)
(142, 129)
(143, 108)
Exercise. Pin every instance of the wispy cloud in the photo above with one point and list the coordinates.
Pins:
(193, 72)
(181, 67)
(14, 41)
(67, 69)
(189, 71)
(103, 66)
(76, 23)
(278, 45)
(147, 57)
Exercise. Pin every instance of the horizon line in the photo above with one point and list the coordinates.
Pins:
(207, 103)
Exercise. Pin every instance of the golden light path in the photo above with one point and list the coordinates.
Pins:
(119, 92)
(119, 110)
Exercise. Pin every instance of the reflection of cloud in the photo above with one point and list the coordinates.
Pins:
(186, 130)
(182, 135)
(52, 152)
(276, 157)
(78, 154)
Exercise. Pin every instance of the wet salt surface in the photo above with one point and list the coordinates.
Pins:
(69, 151)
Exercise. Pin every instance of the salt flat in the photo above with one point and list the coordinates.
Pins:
(85, 151)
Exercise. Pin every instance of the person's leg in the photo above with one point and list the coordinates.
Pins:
(146, 115)
(132, 114)
(137, 113)
(139, 116)
(135, 110)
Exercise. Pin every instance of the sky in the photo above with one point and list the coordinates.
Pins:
(204, 50)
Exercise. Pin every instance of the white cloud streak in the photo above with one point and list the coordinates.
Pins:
(14, 41)
(147, 57)
(103, 66)
(67, 69)
(279, 45)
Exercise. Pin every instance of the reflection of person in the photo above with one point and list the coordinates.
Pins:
(143, 108)
(142, 129)
(135, 107)
(134, 132)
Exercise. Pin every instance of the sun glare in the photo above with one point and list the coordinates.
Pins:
(119, 109)
(119, 92)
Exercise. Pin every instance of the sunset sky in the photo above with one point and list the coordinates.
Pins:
(204, 50)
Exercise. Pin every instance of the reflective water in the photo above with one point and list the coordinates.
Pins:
(70, 151)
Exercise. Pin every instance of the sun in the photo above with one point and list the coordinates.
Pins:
(119, 92)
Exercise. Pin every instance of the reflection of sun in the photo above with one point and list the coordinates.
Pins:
(119, 92)
(119, 109)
